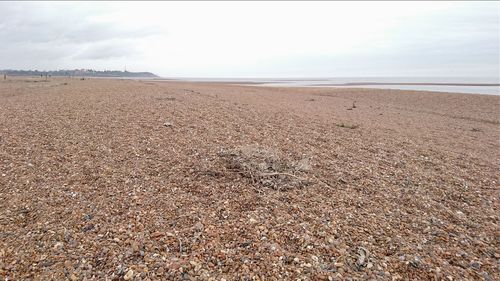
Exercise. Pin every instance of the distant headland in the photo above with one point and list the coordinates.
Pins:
(78, 72)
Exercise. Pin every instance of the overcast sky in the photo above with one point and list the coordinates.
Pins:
(255, 39)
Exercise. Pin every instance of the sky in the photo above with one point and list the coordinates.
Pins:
(255, 39)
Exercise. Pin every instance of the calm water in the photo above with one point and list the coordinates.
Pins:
(336, 82)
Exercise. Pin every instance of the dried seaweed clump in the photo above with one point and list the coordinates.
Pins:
(267, 167)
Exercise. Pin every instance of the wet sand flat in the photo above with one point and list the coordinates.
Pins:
(138, 180)
(412, 84)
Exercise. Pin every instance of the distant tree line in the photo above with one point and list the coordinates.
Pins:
(77, 72)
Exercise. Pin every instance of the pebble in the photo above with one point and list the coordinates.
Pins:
(157, 234)
(135, 246)
(58, 246)
(199, 226)
(168, 177)
(475, 265)
(129, 275)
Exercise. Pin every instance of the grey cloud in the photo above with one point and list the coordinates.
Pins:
(92, 32)
(31, 56)
(105, 51)
(20, 23)
(40, 33)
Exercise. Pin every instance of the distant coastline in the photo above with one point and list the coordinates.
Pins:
(78, 72)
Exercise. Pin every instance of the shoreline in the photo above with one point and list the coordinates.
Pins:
(412, 84)
(289, 84)
(449, 87)
(355, 86)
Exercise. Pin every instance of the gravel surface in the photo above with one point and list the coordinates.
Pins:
(142, 180)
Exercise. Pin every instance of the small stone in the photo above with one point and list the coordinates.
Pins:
(58, 246)
(129, 275)
(475, 265)
(369, 265)
(88, 227)
(199, 226)
(157, 234)
(167, 124)
(73, 277)
(68, 264)
(135, 246)
(461, 215)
